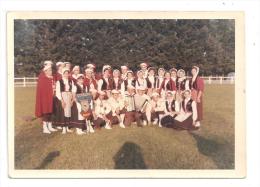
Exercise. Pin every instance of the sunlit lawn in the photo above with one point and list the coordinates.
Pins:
(150, 147)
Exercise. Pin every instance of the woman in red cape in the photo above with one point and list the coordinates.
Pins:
(44, 98)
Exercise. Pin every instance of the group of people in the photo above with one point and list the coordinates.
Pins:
(117, 97)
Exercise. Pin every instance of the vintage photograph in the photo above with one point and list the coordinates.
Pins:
(118, 93)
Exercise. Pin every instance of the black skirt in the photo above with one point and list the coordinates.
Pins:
(168, 121)
(58, 118)
(74, 121)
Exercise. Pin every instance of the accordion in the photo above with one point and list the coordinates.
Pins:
(86, 101)
(84, 97)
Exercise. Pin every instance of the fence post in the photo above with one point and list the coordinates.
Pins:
(232, 80)
(24, 83)
(221, 80)
(209, 80)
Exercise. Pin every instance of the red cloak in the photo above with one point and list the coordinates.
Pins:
(44, 95)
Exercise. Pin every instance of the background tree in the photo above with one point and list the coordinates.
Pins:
(167, 43)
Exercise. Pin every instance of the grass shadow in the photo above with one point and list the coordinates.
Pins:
(48, 159)
(221, 153)
(129, 157)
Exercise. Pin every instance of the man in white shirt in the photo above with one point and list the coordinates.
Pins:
(130, 114)
(118, 108)
(157, 108)
(142, 106)
(101, 111)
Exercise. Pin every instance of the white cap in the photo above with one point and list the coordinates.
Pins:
(197, 68)
(116, 70)
(46, 67)
(59, 63)
(106, 67)
(75, 67)
(91, 66)
(130, 71)
(47, 62)
(155, 94)
(80, 75)
(173, 69)
(124, 67)
(161, 69)
(67, 63)
(170, 93)
(115, 91)
(144, 64)
(88, 70)
(64, 70)
(139, 71)
(181, 70)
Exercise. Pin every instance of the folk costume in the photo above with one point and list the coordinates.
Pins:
(75, 73)
(172, 108)
(44, 99)
(77, 120)
(142, 107)
(151, 81)
(116, 80)
(182, 84)
(101, 111)
(118, 109)
(63, 103)
(157, 109)
(130, 114)
(159, 80)
(140, 81)
(58, 75)
(129, 81)
(124, 70)
(188, 115)
(167, 85)
(197, 90)
(144, 69)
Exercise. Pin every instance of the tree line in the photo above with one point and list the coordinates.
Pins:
(167, 43)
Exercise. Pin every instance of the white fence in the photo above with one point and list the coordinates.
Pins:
(32, 81)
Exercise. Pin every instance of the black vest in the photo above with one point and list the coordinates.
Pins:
(118, 86)
(172, 106)
(149, 84)
(80, 90)
(181, 85)
(188, 107)
(62, 85)
(194, 84)
(105, 85)
(126, 83)
(168, 85)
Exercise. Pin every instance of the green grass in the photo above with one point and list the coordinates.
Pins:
(151, 147)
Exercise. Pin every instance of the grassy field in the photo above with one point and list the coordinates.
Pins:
(212, 147)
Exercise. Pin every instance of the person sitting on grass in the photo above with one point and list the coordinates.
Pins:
(172, 109)
(118, 107)
(101, 111)
(157, 109)
(186, 120)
